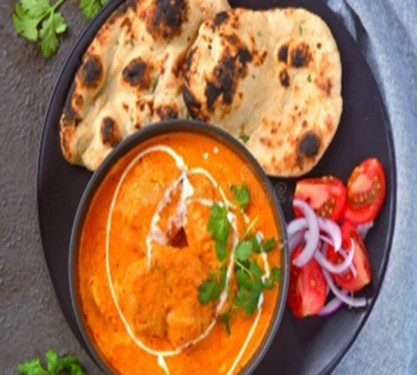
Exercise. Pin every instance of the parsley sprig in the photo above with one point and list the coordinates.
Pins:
(248, 274)
(39, 21)
(55, 365)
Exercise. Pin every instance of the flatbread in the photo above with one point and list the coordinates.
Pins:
(131, 75)
(271, 78)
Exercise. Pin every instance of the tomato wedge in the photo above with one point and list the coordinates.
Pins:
(308, 288)
(326, 195)
(347, 280)
(366, 190)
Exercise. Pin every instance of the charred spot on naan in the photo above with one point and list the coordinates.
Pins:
(220, 19)
(167, 112)
(70, 116)
(283, 53)
(91, 72)
(284, 78)
(193, 105)
(109, 132)
(308, 147)
(138, 74)
(300, 55)
(164, 18)
(226, 75)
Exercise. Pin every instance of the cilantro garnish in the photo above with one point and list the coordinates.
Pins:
(248, 274)
(242, 195)
(209, 291)
(91, 7)
(244, 137)
(54, 365)
(39, 21)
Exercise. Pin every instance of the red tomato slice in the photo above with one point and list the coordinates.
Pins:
(308, 288)
(346, 280)
(366, 190)
(326, 195)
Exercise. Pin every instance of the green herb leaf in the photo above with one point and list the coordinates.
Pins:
(243, 250)
(242, 195)
(37, 20)
(243, 279)
(269, 244)
(255, 269)
(276, 274)
(251, 303)
(70, 364)
(36, 8)
(244, 137)
(91, 7)
(218, 225)
(255, 244)
(31, 367)
(225, 319)
(25, 25)
(221, 251)
(52, 361)
(208, 291)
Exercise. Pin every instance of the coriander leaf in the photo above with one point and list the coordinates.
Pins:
(225, 319)
(70, 364)
(219, 225)
(221, 251)
(59, 23)
(251, 304)
(208, 291)
(269, 245)
(241, 295)
(25, 25)
(276, 274)
(91, 7)
(241, 194)
(49, 40)
(255, 244)
(268, 284)
(243, 250)
(255, 269)
(31, 367)
(243, 279)
(36, 8)
(223, 276)
(52, 361)
(244, 137)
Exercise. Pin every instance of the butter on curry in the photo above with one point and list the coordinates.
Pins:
(179, 260)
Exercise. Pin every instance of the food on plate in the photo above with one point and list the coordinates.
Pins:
(308, 288)
(131, 75)
(351, 280)
(271, 78)
(326, 195)
(323, 249)
(179, 259)
(366, 190)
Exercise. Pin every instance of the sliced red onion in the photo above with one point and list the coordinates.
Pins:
(335, 268)
(352, 267)
(331, 307)
(295, 226)
(350, 301)
(326, 239)
(296, 240)
(313, 233)
(333, 230)
(363, 229)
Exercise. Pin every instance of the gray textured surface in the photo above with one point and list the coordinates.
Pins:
(30, 318)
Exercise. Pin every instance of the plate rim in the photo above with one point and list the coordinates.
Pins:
(95, 24)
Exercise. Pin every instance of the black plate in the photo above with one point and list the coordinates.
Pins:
(309, 346)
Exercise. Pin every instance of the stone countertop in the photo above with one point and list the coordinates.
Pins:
(31, 320)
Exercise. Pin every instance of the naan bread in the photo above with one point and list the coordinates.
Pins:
(131, 75)
(273, 77)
